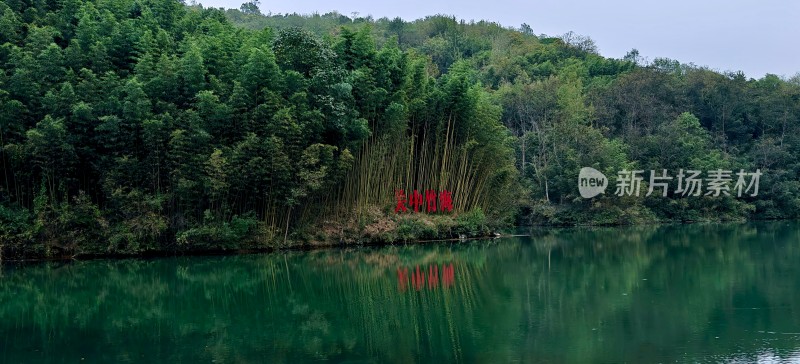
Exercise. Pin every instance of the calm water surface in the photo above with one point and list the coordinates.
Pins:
(698, 293)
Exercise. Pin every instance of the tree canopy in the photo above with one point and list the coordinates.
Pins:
(150, 125)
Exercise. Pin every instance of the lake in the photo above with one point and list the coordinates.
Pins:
(684, 293)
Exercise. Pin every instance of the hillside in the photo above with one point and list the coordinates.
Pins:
(135, 126)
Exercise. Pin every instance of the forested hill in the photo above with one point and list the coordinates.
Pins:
(130, 126)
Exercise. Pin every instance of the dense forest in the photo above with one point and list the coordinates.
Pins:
(131, 126)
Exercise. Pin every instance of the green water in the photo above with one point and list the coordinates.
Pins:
(698, 293)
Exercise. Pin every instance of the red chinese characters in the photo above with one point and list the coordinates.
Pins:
(431, 201)
(400, 196)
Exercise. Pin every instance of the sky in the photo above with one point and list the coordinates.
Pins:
(756, 37)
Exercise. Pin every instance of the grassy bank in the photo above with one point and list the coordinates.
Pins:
(26, 240)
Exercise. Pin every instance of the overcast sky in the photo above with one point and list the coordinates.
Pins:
(756, 37)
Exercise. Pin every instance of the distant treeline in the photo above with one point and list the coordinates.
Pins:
(129, 126)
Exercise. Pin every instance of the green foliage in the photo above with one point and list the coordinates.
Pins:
(140, 225)
(215, 235)
(210, 127)
(472, 223)
(410, 229)
(16, 231)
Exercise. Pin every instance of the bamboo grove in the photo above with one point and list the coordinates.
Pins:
(133, 126)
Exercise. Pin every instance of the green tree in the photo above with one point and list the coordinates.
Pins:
(192, 73)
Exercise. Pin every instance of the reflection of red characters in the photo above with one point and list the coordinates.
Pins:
(402, 279)
(433, 276)
(417, 279)
(448, 275)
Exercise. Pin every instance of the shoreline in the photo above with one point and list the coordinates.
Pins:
(230, 252)
(306, 247)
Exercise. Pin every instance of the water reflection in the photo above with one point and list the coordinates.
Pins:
(700, 293)
(418, 277)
